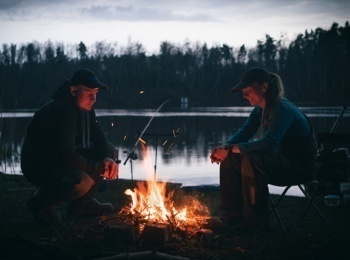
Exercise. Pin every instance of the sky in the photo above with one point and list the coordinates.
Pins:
(150, 22)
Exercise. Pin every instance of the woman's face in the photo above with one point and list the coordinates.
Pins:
(255, 94)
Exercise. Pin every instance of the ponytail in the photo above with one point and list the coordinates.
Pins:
(274, 92)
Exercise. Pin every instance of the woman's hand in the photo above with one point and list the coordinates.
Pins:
(218, 154)
(111, 169)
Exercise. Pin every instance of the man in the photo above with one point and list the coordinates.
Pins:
(65, 153)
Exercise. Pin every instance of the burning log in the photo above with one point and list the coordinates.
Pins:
(124, 233)
(205, 236)
(145, 255)
(155, 233)
(155, 215)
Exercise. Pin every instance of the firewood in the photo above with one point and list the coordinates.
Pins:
(145, 255)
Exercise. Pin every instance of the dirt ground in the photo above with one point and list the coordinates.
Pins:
(21, 238)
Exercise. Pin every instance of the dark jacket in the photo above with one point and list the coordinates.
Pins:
(54, 137)
(289, 134)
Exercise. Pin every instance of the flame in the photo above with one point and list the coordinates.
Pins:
(151, 200)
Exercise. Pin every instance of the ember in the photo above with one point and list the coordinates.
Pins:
(154, 213)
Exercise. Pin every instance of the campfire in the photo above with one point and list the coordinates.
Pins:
(153, 215)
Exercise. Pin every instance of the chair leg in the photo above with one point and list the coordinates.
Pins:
(311, 203)
(274, 207)
(274, 210)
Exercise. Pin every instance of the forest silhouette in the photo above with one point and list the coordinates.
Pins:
(314, 68)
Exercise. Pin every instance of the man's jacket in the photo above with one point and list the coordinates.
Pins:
(54, 139)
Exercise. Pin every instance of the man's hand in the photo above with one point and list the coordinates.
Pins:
(218, 154)
(111, 169)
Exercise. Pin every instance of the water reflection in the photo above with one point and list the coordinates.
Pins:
(183, 158)
(196, 111)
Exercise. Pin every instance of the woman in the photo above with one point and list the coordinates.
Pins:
(276, 145)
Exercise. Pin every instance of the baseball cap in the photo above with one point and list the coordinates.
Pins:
(87, 78)
(251, 76)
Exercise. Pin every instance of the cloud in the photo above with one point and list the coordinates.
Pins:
(29, 4)
(234, 22)
(160, 10)
(9, 4)
(131, 13)
(106, 10)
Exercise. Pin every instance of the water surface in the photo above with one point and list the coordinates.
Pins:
(182, 158)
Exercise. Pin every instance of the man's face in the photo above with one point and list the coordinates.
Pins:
(85, 97)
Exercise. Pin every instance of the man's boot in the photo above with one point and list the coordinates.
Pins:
(42, 208)
(88, 207)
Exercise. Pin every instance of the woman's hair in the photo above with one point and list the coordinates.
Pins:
(274, 92)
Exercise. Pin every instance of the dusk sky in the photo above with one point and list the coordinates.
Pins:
(149, 22)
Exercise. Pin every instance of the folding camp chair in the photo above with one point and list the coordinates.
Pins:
(310, 199)
(322, 140)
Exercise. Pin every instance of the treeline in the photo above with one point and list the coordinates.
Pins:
(314, 67)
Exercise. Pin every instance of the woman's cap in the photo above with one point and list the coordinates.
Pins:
(251, 76)
(87, 78)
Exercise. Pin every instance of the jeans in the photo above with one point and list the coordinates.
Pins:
(244, 179)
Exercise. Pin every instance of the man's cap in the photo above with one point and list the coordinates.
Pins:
(87, 78)
(251, 76)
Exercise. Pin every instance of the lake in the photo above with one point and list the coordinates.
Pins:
(181, 158)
